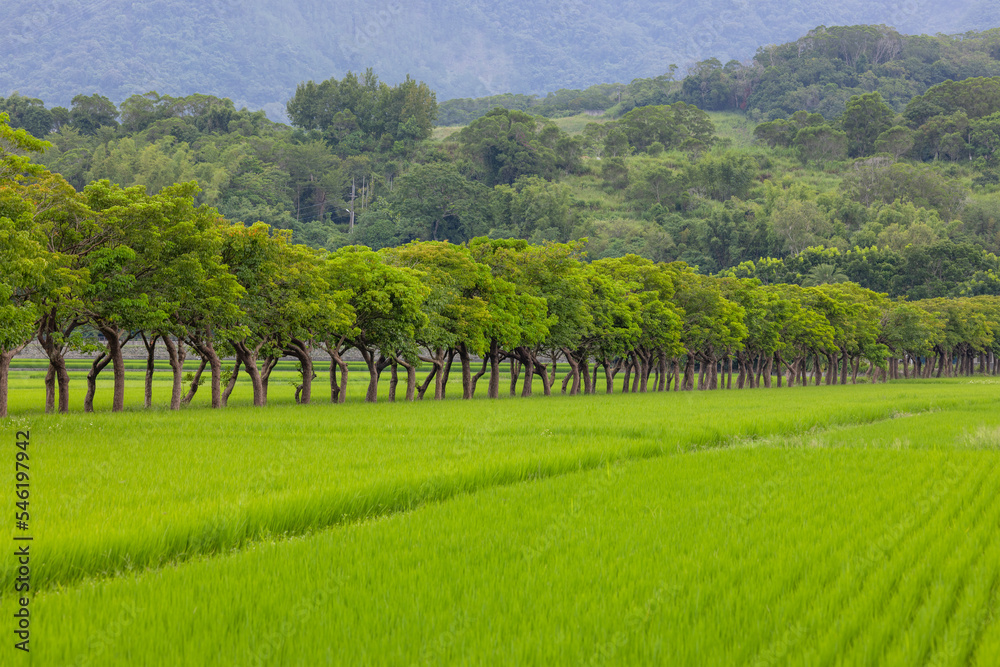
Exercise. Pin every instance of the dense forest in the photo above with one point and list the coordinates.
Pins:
(254, 52)
(900, 200)
(818, 73)
(130, 265)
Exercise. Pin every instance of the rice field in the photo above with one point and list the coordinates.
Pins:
(818, 525)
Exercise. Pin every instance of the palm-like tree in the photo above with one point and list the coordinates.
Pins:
(823, 274)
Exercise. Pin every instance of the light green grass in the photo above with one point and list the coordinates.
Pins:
(733, 126)
(751, 556)
(445, 132)
(136, 490)
(575, 124)
(813, 525)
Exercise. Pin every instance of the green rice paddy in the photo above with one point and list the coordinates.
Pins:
(835, 525)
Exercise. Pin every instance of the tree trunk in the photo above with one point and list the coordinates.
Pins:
(207, 350)
(463, 355)
(50, 389)
(574, 373)
(98, 364)
(637, 368)
(56, 377)
(5, 359)
(341, 365)
(437, 362)
(232, 383)
(446, 374)
(193, 389)
(62, 379)
(113, 336)
(475, 378)
(393, 380)
(176, 354)
(515, 370)
(371, 396)
(427, 382)
(52, 339)
(265, 375)
(494, 386)
(300, 350)
(689, 373)
(543, 372)
(248, 356)
(529, 372)
(585, 377)
(150, 344)
(411, 377)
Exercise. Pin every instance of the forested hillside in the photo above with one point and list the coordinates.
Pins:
(900, 198)
(818, 72)
(254, 52)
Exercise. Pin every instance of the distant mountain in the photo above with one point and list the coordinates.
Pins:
(256, 51)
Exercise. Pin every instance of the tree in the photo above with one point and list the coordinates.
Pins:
(435, 202)
(824, 274)
(711, 326)
(357, 112)
(43, 211)
(722, 175)
(26, 268)
(504, 145)
(28, 113)
(655, 315)
(865, 118)
(676, 126)
(386, 303)
(820, 143)
(190, 284)
(93, 112)
(897, 141)
(457, 309)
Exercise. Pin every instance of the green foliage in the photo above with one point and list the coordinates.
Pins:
(505, 145)
(355, 114)
(864, 120)
(89, 114)
(676, 126)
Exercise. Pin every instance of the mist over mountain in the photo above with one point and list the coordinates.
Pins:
(255, 52)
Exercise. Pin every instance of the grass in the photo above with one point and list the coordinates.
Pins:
(575, 124)
(763, 555)
(137, 490)
(819, 525)
(733, 126)
(445, 131)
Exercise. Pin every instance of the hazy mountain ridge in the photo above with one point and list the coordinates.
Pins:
(256, 52)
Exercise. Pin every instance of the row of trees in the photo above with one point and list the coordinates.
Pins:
(156, 267)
